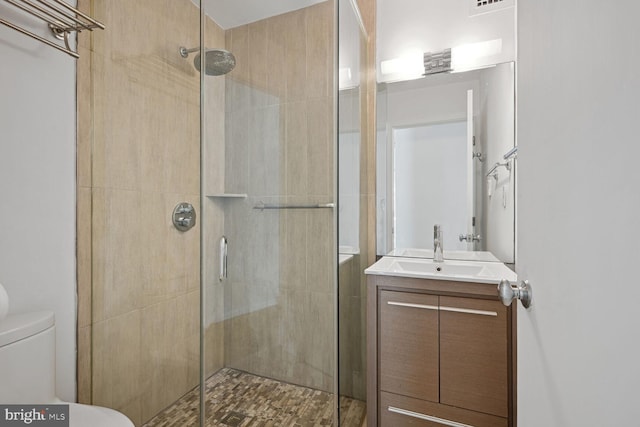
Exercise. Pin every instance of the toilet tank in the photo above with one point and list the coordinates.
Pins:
(27, 358)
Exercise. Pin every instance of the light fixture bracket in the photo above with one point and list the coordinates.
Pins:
(437, 62)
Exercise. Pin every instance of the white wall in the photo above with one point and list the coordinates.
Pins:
(37, 184)
(497, 134)
(410, 27)
(578, 210)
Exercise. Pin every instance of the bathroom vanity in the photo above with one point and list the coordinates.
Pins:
(440, 344)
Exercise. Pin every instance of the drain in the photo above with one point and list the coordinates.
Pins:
(233, 419)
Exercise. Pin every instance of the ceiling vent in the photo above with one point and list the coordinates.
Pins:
(480, 3)
(476, 7)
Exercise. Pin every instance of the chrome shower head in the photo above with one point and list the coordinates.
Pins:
(217, 61)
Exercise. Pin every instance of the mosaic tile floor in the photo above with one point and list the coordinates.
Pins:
(238, 399)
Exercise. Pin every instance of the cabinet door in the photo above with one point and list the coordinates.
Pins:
(473, 352)
(401, 411)
(408, 344)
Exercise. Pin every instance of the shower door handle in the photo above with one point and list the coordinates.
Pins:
(223, 258)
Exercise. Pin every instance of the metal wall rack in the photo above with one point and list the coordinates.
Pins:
(62, 19)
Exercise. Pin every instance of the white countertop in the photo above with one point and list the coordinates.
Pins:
(452, 270)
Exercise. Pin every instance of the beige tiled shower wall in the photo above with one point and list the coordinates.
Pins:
(280, 135)
(138, 156)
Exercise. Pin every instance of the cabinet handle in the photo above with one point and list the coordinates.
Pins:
(426, 417)
(406, 304)
(469, 311)
(443, 308)
(224, 246)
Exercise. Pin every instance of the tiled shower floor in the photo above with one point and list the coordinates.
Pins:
(235, 398)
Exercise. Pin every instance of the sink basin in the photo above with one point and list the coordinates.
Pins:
(436, 268)
(450, 255)
(464, 271)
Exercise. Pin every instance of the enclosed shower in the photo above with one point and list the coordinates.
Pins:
(210, 284)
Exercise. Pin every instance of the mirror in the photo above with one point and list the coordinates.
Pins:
(441, 147)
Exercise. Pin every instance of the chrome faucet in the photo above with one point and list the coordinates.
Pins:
(437, 244)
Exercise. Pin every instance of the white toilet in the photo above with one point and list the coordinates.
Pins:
(27, 370)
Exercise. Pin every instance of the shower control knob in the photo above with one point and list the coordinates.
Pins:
(184, 216)
(184, 222)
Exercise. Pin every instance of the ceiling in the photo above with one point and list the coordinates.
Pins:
(233, 13)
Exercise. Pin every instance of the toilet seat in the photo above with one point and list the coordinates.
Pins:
(96, 416)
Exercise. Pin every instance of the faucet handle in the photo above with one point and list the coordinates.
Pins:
(437, 243)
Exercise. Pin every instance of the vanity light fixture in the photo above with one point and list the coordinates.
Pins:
(465, 57)
(417, 65)
(473, 56)
(413, 65)
(406, 67)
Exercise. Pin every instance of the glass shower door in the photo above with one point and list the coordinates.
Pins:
(138, 158)
(353, 246)
(268, 202)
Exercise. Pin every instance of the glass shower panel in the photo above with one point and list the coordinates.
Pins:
(269, 324)
(143, 160)
(352, 215)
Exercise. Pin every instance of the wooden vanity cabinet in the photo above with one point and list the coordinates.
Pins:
(439, 353)
(473, 355)
(409, 361)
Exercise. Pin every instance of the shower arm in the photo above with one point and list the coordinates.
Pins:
(184, 52)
